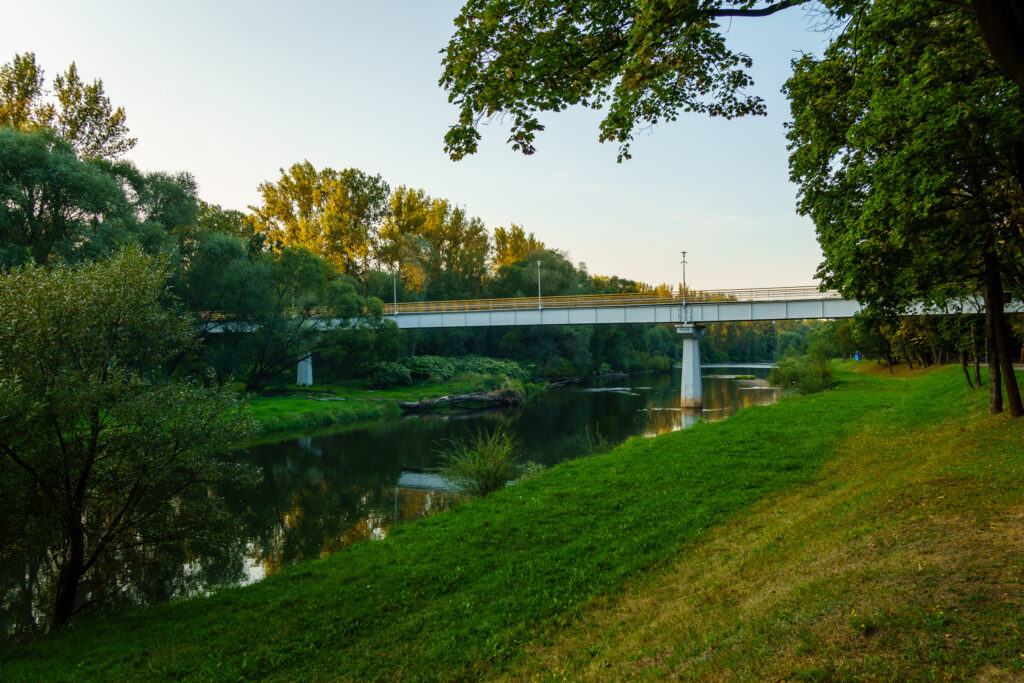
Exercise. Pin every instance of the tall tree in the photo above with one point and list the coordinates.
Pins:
(440, 250)
(100, 453)
(82, 113)
(906, 144)
(512, 244)
(22, 88)
(334, 214)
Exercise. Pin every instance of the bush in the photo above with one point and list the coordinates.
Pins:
(391, 374)
(480, 464)
(493, 366)
(433, 368)
(807, 374)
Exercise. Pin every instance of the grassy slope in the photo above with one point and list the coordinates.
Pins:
(903, 560)
(875, 520)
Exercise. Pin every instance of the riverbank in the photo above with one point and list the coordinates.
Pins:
(322, 406)
(869, 531)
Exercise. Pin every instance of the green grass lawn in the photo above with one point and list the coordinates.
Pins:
(736, 549)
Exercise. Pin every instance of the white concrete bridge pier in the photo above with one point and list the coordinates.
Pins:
(690, 391)
(304, 376)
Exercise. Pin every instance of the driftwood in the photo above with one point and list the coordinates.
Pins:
(496, 399)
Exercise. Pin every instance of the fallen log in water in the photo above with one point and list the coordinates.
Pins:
(496, 399)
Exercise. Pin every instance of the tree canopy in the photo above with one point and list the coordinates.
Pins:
(101, 453)
(80, 112)
(642, 61)
(906, 144)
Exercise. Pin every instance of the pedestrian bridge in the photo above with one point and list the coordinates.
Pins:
(727, 305)
(688, 311)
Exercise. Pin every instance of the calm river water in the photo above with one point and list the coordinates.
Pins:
(322, 492)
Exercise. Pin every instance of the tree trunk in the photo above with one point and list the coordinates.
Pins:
(967, 373)
(1001, 24)
(974, 352)
(996, 318)
(995, 386)
(70, 574)
(888, 359)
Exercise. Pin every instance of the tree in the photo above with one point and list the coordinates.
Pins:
(49, 199)
(513, 244)
(440, 250)
(82, 114)
(645, 60)
(334, 214)
(22, 87)
(906, 145)
(101, 453)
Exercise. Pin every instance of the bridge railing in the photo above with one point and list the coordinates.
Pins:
(594, 300)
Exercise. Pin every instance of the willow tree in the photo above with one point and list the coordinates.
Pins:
(101, 454)
(906, 144)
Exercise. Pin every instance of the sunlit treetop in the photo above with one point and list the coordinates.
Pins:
(641, 61)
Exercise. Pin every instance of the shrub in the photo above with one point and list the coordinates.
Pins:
(435, 368)
(807, 374)
(481, 463)
(390, 374)
(493, 366)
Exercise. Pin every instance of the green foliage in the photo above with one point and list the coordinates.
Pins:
(645, 62)
(53, 202)
(100, 453)
(903, 142)
(807, 374)
(81, 115)
(480, 464)
(389, 374)
(434, 368)
(333, 214)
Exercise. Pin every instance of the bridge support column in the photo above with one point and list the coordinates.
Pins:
(690, 392)
(304, 376)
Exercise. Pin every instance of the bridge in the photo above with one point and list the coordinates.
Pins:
(689, 311)
(701, 307)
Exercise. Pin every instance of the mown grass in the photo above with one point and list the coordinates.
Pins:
(747, 548)
(902, 560)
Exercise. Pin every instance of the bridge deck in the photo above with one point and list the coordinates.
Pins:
(788, 303)
(614, 300)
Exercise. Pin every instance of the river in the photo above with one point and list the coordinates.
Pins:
(322, 492)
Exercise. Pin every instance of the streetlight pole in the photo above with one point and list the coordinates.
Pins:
(394, 285)
(684, 286)
(539, 306)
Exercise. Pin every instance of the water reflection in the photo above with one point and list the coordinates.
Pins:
(325, 492)
(321, 493)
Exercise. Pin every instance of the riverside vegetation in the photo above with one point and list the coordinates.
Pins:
(871, 531)
(407, 379)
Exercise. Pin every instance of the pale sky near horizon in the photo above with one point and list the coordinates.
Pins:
(234, 91)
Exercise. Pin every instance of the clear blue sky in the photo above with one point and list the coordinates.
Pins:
(233, 91)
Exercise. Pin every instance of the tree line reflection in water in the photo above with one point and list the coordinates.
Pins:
(321, 493)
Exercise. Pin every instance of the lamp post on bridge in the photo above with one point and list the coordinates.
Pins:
(539, 306)
(683, 293)
(394, 286)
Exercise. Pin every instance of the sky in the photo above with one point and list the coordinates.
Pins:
(235, 91)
